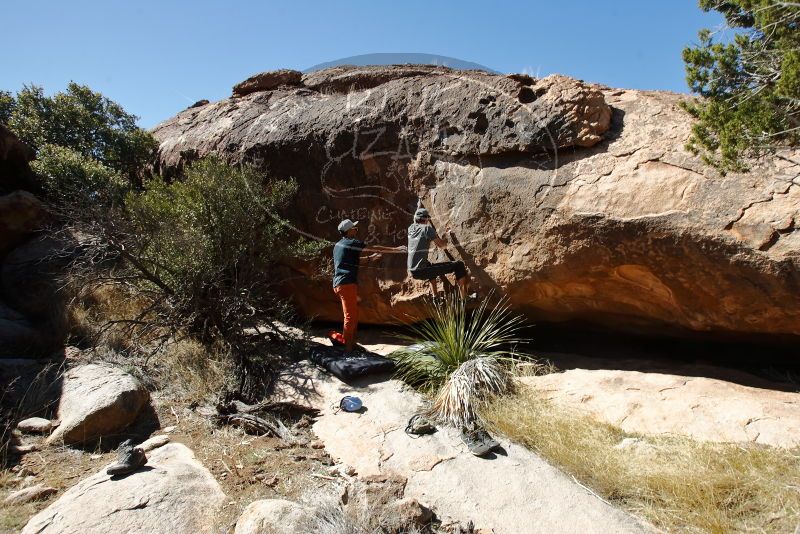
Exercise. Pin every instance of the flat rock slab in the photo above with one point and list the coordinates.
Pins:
(97, 401)
(173, 493)
(514, 493)
(703, 408)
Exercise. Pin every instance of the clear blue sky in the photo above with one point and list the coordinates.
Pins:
(156, 58)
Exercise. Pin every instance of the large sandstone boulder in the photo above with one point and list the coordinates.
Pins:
(97, 401)
(707, 409)
(173, 493)
(577, 202)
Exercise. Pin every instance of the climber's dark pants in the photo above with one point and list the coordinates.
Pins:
(435, 270)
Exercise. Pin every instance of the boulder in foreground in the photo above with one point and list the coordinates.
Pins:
(173, 493)
(273, 516)
(97, 401)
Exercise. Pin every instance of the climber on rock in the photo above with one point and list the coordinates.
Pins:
(346, 259)
(421, 234)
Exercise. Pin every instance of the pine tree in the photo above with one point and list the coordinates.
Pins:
(749, 82)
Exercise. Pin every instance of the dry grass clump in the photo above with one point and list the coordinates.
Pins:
(676, 483)
(473, 383)
(192, 370)
(361, 515)
(110, 315)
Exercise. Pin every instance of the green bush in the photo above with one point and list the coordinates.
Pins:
(89, 150)
(7, 103)
(70, 178)
(208, 245)
(82, 120)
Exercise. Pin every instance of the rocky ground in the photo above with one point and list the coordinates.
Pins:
(243, 467)
(203, 477)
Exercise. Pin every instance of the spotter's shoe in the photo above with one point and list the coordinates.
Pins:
(336, 338)
(478, 441)
(129, 459)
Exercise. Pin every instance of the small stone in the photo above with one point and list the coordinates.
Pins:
(406, 512)
(266, 479)
(304, 422)
(168, 429)
(317, 444)
(96, 456)
(627, 443)
(341, 470)
(35, 425)
(24, 472)
(24, 449)
(33, 493)
(154, 442)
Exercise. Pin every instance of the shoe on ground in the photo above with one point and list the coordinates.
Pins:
(129, 459)
(478, 441)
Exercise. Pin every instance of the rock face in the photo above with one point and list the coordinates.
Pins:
(577, 202)
(707, 409)
(22, 217)
(21, 214)
(172, 493)
(97, 401)
(267, 81)
(30, 275)
(273, 516)
(14, 158)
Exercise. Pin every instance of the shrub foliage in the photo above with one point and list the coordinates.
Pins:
(206, 246)
(750, 83)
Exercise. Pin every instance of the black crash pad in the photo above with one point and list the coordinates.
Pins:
(358, 364)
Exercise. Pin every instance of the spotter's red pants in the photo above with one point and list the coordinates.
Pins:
(348, 294)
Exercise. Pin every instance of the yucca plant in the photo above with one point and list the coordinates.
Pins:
(471, 384)
(459, 354)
